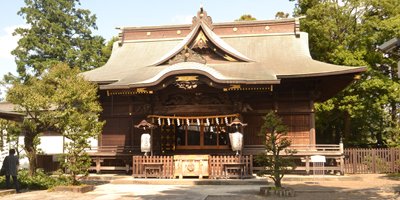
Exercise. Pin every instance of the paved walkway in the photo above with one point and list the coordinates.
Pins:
(355, 187)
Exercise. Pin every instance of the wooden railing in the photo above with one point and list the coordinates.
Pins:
(378, 160)
(110, 150)
(320, 149)
(218, 166)
(153, 166)
(111, 158)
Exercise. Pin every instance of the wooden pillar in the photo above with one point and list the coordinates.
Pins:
(312, 123)
(98, 164)
(151, 137)
(341, 147)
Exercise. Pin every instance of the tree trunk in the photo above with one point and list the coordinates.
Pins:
(30, 151)
(347, 128)
(278, 181)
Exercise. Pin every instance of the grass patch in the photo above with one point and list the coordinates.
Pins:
(393, 176)
(41, 181)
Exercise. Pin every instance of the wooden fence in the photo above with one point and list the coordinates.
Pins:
(365, 161)
(219, 166)
(154, 166)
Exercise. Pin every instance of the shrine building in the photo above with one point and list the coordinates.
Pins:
(192, 81)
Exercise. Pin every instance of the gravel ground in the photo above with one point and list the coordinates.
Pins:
(363, 187)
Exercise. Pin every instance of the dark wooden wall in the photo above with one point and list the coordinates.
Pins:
(293, 101)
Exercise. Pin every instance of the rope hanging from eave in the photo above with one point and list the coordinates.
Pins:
(165, 119)
(192, 117)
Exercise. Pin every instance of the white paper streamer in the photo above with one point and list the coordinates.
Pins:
(217, 120)
(159, 121)
(198, 122)
(177, 122)
(168, 122)
(208, 122)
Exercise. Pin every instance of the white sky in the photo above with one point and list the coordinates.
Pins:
(115, 13)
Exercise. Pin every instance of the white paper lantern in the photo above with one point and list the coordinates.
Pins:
(145, 143)
(236, 139)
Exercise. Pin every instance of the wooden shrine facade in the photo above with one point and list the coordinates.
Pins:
(192, 80)
(186, 122)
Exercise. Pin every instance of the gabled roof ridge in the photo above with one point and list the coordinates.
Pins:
(215, 39)
(174, 26)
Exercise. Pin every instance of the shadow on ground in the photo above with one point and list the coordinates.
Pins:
(303, 191)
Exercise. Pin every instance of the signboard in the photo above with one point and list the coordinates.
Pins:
(191, 165)
(318, 159)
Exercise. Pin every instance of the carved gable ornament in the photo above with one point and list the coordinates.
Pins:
(187, 55)
(202, 17)
(202, 45)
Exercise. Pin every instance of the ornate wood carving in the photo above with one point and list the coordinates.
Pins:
(202, 17)
(195, 99)
(187, 55)
(187, 82)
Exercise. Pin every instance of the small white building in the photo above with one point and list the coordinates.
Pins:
(50, 143)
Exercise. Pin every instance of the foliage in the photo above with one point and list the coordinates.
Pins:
(276, 142)
(9, 132)
(40, 181)
(58, 32)
(380, 164)
(281, 15)
(62, 101)
(347, 33)
(246, 17)
(106, 51)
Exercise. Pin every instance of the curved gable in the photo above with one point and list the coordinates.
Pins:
(202, 45)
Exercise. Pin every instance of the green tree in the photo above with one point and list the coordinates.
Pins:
(276, 143)
(246, 17)
(9, 133)
(62, 101)
(107, 50)
(347, 33)
(58, 32)
(281, 15)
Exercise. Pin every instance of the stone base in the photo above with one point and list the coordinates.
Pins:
(73, 188)
(281, 192)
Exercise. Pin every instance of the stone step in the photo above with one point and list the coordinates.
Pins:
(155, 181)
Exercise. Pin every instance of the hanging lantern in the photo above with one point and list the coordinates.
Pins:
(159, 121)
(177, 122)
(198, 122)
(236, 139)
(145, 143)
(145, 139)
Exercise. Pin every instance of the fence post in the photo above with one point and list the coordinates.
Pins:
(355, 160)
(392, 161)
(341, 148)
(373, 161)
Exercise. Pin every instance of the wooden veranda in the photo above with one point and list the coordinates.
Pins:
(210, 166)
